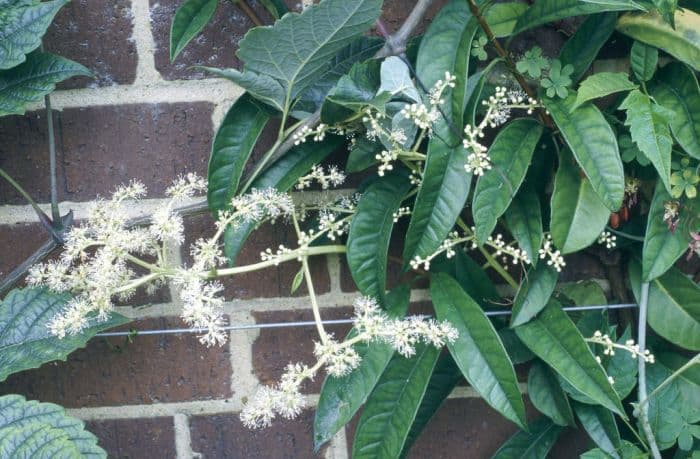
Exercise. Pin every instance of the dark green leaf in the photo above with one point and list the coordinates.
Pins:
(478, 351)
(474, 90)
(276, 8)
(340, 398)
(585, 293)
(190, 18)
(661, 246)
(261, 86)
(623, 369)
(629, 451)
(602, 84)
(517, 351)
(21, 29)
(33, 79)
(475, 281)
(232, 146)
(688, 381)
(643, 59)
(600, 425)
(594, 146)
(362, 155)
(676, 89)
(534, 293)
(353, 93)
(25, 340)
(554, 338)
(534, 444)
(391, 408)
(510, 154)
(502, 17)
(547, 396)
(578, 213)
(544, 11)
(666, 408)
(524, 221)
(674, 306)
(370, 232)
(582, 48)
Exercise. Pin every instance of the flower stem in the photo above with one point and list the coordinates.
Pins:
(490, 260)
(310, 251)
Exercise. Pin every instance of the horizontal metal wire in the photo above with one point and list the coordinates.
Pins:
(174, 331)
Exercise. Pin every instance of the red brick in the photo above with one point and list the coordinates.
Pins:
(97, 34)
(133, 438)
(151, 369)
(277, 347)
(19, 241)
(395, 12)
(275, 281)
(99, 148)
(225, 436)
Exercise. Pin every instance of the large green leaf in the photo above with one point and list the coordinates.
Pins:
(391, 408)
(263, 87)
(547, 396)
(683, 42)
(524, 221)
(648, 123)
(533, 294)
(510, 153)
(445, 378)
(281, 175)
(582, 48)
(674, 306)
(33, 79)
(353, 93)
(315, 35)
(667, 408)
(688, 381)
(25, 340)
(585, 293)
(578, 213)
(190, 18)
(600, 425)
(21, 29)
(594, 146)
(676, 88)
(662, 247)
(554, 338)
(534, 444)
(643, 59)
(502, 17)
(370, 232)
(475, 281)
(623, 369)
(478, 351)
(340, 398)
(232, 146)
(544, 11)
(57, 430)
(602, 84)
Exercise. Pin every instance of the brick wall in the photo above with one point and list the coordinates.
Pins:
(146, 118)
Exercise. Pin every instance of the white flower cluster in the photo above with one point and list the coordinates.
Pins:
(340, 358)
(332, 176)
(553, 255)
(420, 114)
(402, 212)
(517, 254)
(385, 158)
(319, 133)
(607, 239)
(447, 246)
(609, 347)
(269, 255)
(330, 223)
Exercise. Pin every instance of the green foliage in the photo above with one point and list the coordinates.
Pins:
(558, 79)
(534, 443)
(534, 294)
(523, 219)
(544, 11)
(600, 425)
(533, 62)
(582, 48)
(547, 396)
(189, 20)
(602, 84)
(644, 59)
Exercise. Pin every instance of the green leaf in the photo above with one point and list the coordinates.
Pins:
(648, 123)
(554, 338)
(517, 351)
(578, 214)
(523, 219)
(629, 451)
(261, 86)
(362, 155)
(296, 282)
(534, 444)
(683, 42)
(33, 79)
(474, 90)
(396, 79)
(315, 35)
(544, 11)
(445, 378)
(276, 8)
(502, 17)
(601, 85)
(440, 199)
(232, 146)
(21, 29)
(585, 293)
(623, 369)
(25, 340)
(189, 20)
(582, 48)
(688, 381)
(21, 416)
(475, 281)
(340, 398)
(547, 396)
(533, 294)
(510, 153)
(676, 88)
(370, 232)
(600, 425)
(478, 350)
(353, 93)
(280, 175)
(391, 408)
(666, 408)
(644, 59)
(661, 246)
(674, 306)
(594, 146)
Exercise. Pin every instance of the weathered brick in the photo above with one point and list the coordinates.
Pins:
(96, 33)
(395, 12)
(277, 347)
(271, 282)
(152, 369)
(99, 148)
(134, 438)
(225, 436)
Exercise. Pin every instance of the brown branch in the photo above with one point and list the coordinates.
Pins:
(252, 15)
(396, 43)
